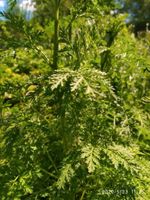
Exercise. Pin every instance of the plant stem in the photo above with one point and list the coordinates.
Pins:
(50, 174)
(50, 158)
(82, 196)
(56, 35)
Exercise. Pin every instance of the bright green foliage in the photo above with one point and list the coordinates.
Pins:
(80, 131)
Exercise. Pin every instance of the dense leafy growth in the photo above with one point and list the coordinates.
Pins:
(74, 106)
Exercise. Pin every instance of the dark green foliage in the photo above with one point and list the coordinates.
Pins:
(138, 14)
(138, 10)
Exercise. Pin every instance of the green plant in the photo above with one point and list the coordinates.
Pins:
(77, 129)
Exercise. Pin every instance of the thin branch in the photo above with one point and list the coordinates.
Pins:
(50, 174)
(50, 158)
(82, 196)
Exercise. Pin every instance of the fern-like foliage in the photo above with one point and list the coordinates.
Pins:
(90, 156)
(75, 132)
(67, 172)
(93, 82)
(125, 156)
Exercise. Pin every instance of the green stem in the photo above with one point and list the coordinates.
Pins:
(48, 173)
(50, 158)
(56, 35)
(83, 193)
(1, 110)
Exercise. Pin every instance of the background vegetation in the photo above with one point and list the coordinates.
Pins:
(74, 104)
